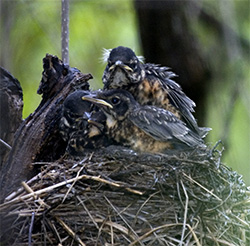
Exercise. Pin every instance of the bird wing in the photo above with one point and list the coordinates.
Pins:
(162, 125)
(176, 96)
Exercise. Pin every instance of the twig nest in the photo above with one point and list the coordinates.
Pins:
(115, 196)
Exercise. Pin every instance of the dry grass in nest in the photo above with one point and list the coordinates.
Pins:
(183, 198)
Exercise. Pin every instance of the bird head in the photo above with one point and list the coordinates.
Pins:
(116, 103)
(123, 68)
(75, 105)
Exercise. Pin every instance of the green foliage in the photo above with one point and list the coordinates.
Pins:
(35, 32)
(228, 99)
(229, 115)
(94, 25)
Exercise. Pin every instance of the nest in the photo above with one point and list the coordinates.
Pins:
(115, 196)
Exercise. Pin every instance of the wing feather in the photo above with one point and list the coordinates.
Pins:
(177, 97)
(162, 125)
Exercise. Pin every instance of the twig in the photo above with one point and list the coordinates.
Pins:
(15, 193)
(185, 212)
(111, 232)
(152, 231)
(208, 191)
(137, 192)
(52, 187)
(89, 214)
(194, 235)
(144, 203)
(118, 227)
(215, 239)
(70, 232)
(70, 188)
(243, 222)
(31, 228)
(5, 144)
(124, 220)
(29, 190)
(163, 227)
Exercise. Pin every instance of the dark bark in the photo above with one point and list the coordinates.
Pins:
(38, 138)
(11, 107)
(167, 39)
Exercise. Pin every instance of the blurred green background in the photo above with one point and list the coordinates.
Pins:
(30, 29)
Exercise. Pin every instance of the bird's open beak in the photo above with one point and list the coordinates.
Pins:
(97, 124)
(97, 101)
(120, 64)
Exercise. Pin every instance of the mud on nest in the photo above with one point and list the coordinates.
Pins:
(118, 197)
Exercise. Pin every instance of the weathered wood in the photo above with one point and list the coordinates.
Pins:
(11, 107)
(38, 138)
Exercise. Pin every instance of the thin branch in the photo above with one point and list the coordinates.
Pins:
(65, 31)
(52, 187)
(5, 144)
(31, 228)
(185, 212)
(70, 231)
(204, 188)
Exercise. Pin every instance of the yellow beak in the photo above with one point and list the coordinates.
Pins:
(123, 66)
(97, 101)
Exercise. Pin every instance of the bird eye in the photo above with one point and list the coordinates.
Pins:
(133, 61)
(115, 100)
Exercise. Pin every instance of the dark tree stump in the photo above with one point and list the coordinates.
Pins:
(11, 107)
(38, 138)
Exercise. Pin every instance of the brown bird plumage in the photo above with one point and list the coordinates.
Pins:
(150, 84)
(144, 128)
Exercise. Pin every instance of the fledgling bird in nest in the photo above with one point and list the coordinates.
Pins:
(82, 123)
(150, 84)
(142, 127)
